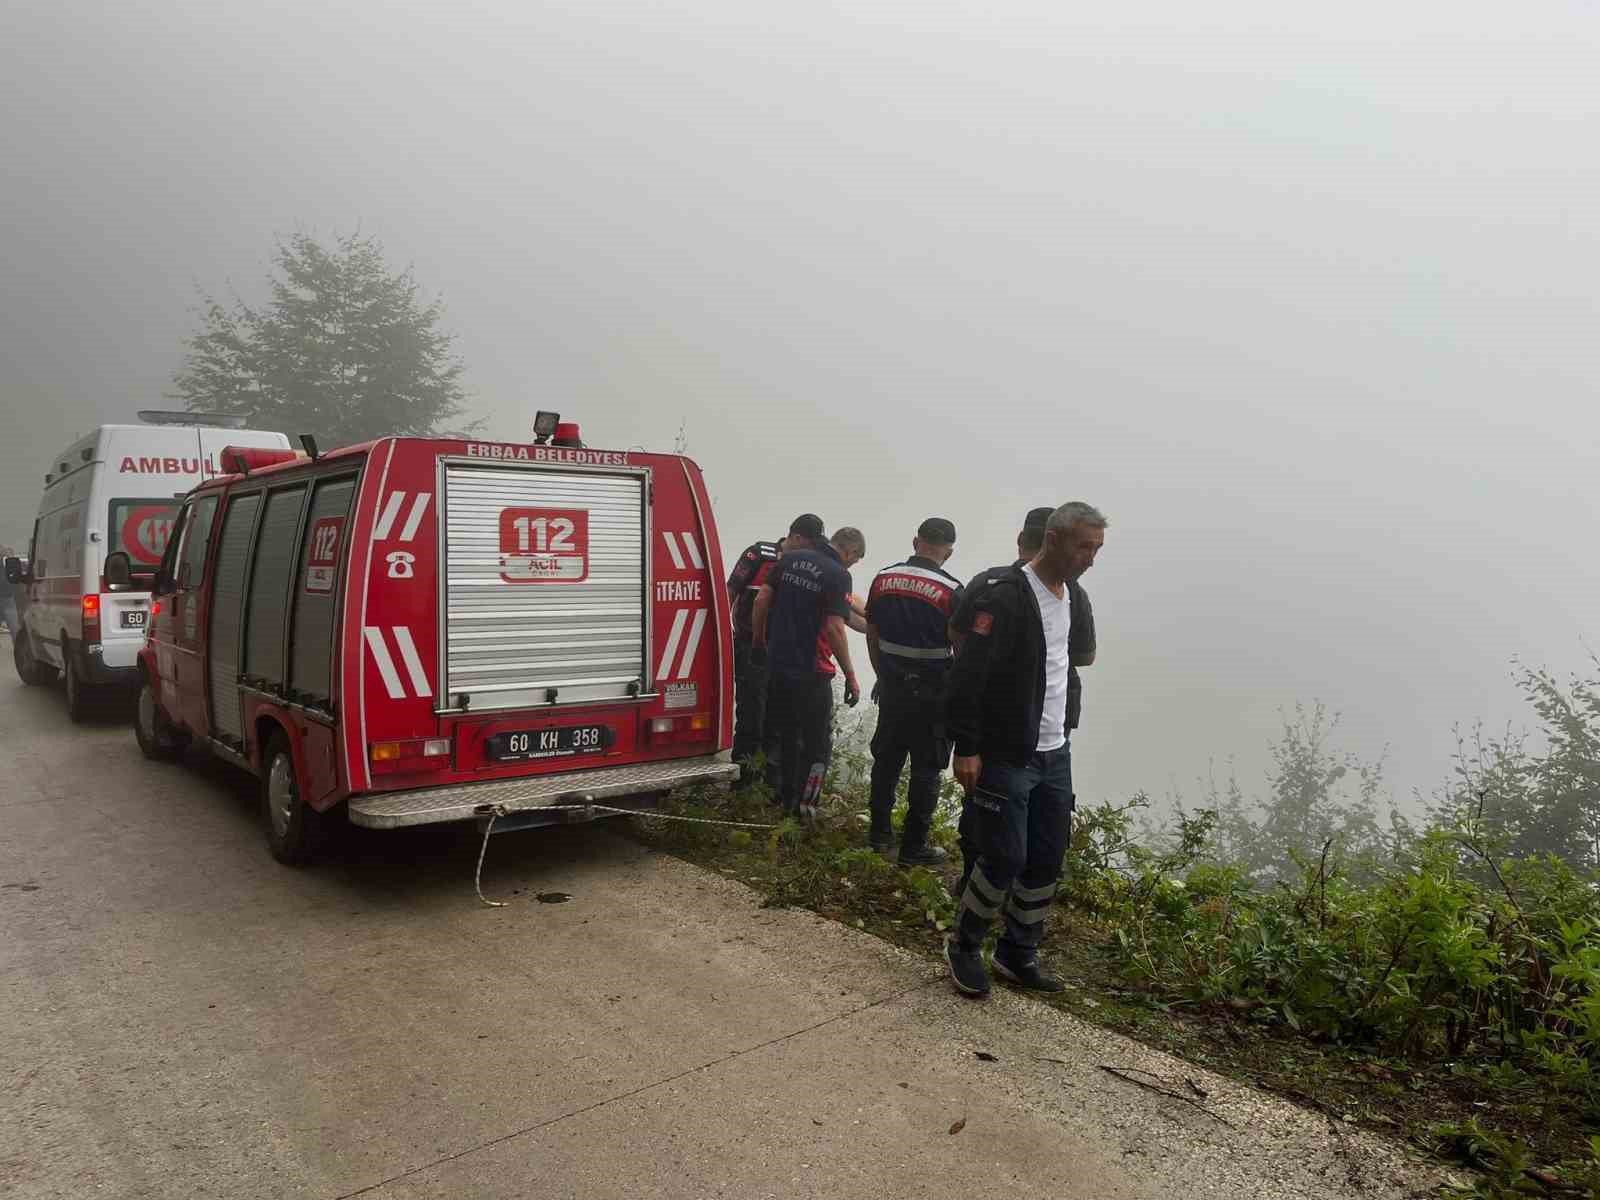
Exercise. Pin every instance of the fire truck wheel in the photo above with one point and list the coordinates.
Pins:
(295, 830)
(80, 696)
(30, 669)
(157, 737)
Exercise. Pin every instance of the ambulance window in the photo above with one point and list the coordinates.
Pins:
(316, 593)
(141, 528)
(196, 536)
(269, 585)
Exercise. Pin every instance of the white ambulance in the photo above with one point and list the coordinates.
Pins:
(117, 488)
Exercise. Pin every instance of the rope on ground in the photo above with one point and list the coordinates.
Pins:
(1163, 1087)
(652, 815)
(477, 879)
(498, 811)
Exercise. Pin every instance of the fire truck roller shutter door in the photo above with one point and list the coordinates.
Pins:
(316, 595)
(227, 612)
(545, 585)
(277, 548)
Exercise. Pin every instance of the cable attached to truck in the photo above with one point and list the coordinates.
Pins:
(498, 811)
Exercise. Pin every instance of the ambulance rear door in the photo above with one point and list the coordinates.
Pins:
(145, 470)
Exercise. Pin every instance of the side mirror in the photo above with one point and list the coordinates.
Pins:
(119, 571)
(16, 570)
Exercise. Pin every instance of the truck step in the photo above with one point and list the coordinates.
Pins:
(462, 802)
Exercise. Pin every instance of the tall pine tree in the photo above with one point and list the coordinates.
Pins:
(344, 348)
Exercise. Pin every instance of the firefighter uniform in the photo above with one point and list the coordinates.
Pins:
(909, 608)
(751, 676)
(809, 587)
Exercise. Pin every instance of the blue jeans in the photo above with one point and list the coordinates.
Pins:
(1019, 820)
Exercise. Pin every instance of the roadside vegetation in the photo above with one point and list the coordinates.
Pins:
(1437, 980)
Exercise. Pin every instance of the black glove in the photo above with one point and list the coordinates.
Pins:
(875, 686)
(852, 692)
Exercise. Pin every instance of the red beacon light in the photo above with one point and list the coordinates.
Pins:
(241, 460)
(550, 429)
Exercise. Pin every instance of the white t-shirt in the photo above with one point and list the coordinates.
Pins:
(1057, 615)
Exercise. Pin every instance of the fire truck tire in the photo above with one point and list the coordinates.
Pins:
(158, 738)
(80, 696)
(31, 670)
(296, 832)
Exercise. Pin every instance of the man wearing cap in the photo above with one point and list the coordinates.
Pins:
(802, 606)
(1006, 711)
(908, 614)
(751, 676)
(1081, 649)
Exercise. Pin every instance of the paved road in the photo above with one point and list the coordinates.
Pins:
(182, 1017)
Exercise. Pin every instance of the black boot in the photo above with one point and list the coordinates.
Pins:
(966, 968)
(880, 832)
(924, 855)
(1026, 974)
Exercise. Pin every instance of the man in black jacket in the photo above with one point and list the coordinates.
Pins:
(1006, 711)
(1081, 651)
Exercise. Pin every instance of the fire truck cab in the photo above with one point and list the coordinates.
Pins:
(415, 631)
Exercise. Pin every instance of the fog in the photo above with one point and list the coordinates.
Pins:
(1302, 298)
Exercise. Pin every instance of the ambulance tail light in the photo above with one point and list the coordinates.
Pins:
(696, 727)
(91, 616)
(410, 754)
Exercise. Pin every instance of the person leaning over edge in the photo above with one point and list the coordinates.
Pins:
(749, 667)
(908, 615)
(1081, 652)
(803, 607)
(1006, 710)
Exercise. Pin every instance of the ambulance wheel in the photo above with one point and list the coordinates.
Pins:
(158, 738)
(31, 670)
(80, 696)
(295, 830)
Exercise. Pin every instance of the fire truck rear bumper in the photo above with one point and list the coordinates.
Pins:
(463, 802)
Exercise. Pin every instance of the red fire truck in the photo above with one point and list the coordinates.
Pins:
(415, 631)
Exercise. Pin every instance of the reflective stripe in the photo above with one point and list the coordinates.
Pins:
(1025, 916)
(408, 654)
(940, 577)
(973, 902)
(1033, 894)
(414, 517)
(920, 652)
(987, 890)
(672, 549)
(692, 548)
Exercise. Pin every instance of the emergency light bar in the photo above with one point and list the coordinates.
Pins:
(241, 460)
(164, 416)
